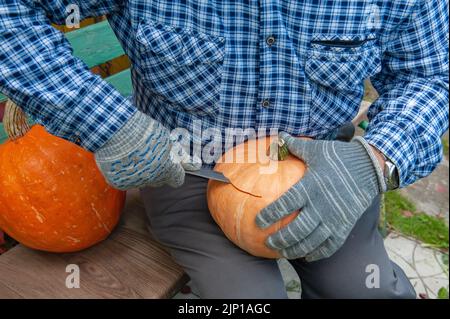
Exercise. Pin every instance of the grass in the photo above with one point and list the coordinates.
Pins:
(445, 146)
(443, 293)
(402, 216)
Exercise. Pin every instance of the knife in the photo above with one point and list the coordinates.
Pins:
(209, 174)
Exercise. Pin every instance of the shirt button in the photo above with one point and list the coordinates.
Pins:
(270, 40)
(266, 103)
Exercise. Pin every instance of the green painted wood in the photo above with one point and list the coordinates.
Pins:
(95, 44)
(122, 82)
(3, 136)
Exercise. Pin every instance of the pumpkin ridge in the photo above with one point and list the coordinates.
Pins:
(99, 218)
(238, 220)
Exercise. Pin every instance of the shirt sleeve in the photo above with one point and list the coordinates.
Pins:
(411, 114)
(39, 72)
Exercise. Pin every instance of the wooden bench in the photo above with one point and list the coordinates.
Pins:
(129, 264)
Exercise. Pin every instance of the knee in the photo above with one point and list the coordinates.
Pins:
(391, 293)
(215, 286)
(395, 285)
(398, 287)
(237, 278)
(392, 287)
(362, 293)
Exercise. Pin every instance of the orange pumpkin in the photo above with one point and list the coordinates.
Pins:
(256, 181)
(53, 197)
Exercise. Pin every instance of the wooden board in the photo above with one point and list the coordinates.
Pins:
(122, 82)
(129, 264)
(95, 44)
(3, 135)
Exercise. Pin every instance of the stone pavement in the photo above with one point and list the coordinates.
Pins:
(425, 267)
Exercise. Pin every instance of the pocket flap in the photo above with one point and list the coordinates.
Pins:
(180, 45)
(342, 62)
(347, 44)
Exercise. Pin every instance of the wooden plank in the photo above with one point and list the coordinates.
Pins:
(95, 44)
(2, 110)
(3, 136)
(83, 23)
(122, 82)
(7, 293)
(129, 264)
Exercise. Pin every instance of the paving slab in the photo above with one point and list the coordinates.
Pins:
(423, 266)
(431, 194)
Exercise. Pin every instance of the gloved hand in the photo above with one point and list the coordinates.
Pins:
(341, 181)
(140, 154)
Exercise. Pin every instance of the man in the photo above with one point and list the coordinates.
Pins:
(293, 66)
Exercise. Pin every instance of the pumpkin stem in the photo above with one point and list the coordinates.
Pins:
(278, 150)
(15, 121)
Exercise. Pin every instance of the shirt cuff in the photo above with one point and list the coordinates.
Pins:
(391, 139)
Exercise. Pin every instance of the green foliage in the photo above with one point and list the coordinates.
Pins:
(402, 216)
(445, 146)
(293, 286)
(443, 293)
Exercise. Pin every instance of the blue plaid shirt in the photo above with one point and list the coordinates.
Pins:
(292, 65)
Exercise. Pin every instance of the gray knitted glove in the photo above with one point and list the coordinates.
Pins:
(341, 181)
(139, 155)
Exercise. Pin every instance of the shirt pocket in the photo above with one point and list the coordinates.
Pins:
(336, 67)
(181, 66)
(342, 62)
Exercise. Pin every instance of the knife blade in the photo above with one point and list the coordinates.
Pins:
(209, 174)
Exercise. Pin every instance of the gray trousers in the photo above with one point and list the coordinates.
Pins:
(180, 220)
